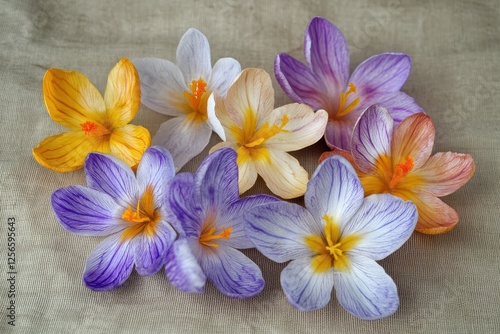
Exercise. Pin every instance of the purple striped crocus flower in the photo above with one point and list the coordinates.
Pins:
(334, 242)
(207, 212)
(128, 208)
(324, 83)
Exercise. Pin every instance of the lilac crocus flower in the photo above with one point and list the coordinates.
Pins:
(208, 214)
(334, 242)
(127, 208)
(324, 83)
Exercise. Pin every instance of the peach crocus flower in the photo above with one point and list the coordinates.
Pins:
(95, 123)
(400, 163)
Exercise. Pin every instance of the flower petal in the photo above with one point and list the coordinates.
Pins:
(109, 264)
(128, 143)
(193, 56)
(111, 176)
(413, 137)
(162, 86)
(278, 230)
(343, 153)
(232, 273)
(223, 74)
(434, 216)
(155, 170)
(398, 104)
(338, 133)
(216, 180)
(283, 174)
(445, 172)
(303, 129)
(213, 120)
(384, 223)
(123, 93)
(300, 83)
(326, 52)
(64, 152)
(85, 211)
(233, 216)
(71, 99)
(366, 291)
(304, 288)
(381, 74)
(182, 268)
(371, 138)
(334, 190)
(247, 175)
(150, 250)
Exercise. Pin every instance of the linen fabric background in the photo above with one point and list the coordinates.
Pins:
(447, 284)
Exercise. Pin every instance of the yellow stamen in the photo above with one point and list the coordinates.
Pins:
(93, 129)
(197, 99)
(343, 108)
(401, 170)
(266, 132)
(206, 237)
(143, 219)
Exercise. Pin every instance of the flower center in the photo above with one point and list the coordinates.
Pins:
(208, 236)
(345, 108)
(265, 132)
(144, 218)
(93, 129)
(330, 249)
(197, 99)
(401, 170)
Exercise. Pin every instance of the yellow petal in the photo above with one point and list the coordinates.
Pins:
(123, 94)
(72, 100)
(128, 143)
(65, 152)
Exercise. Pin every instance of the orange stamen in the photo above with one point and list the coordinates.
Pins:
(198, 88)
(401, 170)
(343, 108)
(208, 236)
(88, 127)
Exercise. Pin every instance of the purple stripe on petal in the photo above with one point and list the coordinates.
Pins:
(85, 211)
(109, 264)
(399, 106)
(150, 250)
(232, 273)
(112, 176)
(182, 268)
(305, 289)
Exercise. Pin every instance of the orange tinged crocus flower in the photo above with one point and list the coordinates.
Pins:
(95, 123)
(399, 162)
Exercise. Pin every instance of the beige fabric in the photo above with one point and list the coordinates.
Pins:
(447, 284)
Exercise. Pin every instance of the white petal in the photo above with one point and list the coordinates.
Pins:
(247, 175)
(184, 139)
(213, 120)
(193, 56)
(223, 75)
(365, 290)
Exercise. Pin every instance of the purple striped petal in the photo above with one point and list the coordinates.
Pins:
(399, 105)
(326, 52)
(371, 138)
(300, 83)
(233, 216)
(381, 74)
(305, 289)
(384, 223)
(155, 169)
(86, 211)
(109, 264)
(232, 273)
(193, 56)
(338, 133)
(150, 250)
(217, 180)
(365, 290)
(334, 190)
(112, 176)
(278, 229)
(182, 206)
(182, 268)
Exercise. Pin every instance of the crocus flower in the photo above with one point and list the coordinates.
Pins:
(207, 212)
(399, 162)
(182, 91)
(324, 83)
(262, 136)
(95, 124)
(128, 208)
(334, 242)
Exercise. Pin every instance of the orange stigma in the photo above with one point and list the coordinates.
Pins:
(401, 170)
(88, 127)
(93, 129)
(207, 236)
(198, 88)
(343, 108)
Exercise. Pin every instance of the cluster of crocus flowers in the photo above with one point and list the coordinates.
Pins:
(399, 162)
(96, 124)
